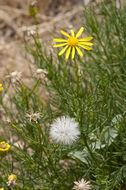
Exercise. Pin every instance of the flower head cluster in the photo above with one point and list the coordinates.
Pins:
(12, 180)
(15, 76)
(41, 74)
(64, 130)
(72, 44)
(82, 185)
(1, 88)
(33, 116)
(4, 147)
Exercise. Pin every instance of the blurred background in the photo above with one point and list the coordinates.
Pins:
(15, 22)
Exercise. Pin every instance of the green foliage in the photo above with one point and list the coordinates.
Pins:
(95, 98)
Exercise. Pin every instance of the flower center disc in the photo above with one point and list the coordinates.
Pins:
(3, 146)
(72, 41)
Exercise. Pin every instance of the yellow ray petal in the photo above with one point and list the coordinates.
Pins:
(79, 32)
(59, 45)
(68, 53)
(1, 88)
(85, 39)
(79, 51)
(72, 32)
(63, 50)
(73, 52)
(59, 40)
(85, 47)
(64, 33)
(86, 43)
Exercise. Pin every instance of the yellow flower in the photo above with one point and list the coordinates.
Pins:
(1, 88)
(1, 188)
(12, 180)
(73, 43)
(12, 176)
(4, 146)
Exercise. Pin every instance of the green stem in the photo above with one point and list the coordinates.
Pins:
(40, 131)
(2, 165)
(25, 93)
(50, 161)
(34, 87)
(89, 150)
(20, 155)
(22, 133)
(85, 140)
(77, 74)
(17, 187)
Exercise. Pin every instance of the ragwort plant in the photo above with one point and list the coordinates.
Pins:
(77, 138)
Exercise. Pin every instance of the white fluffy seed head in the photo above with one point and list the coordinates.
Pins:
(64, 130)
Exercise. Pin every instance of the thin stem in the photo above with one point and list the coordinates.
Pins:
(77, 74)
(34, 87)
(20, 155)
(50, 161)
(17, 187)
(44, 149)
(25, 93)
(85, 141)
(22, 133)
(89, 149)
(2, 165)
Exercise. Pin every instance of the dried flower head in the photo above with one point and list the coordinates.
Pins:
(33, 3)
(12, 180)
(15, 76)
(64, 130)
(73, 43)
(33, 116)
(31, 33)
(4, 147)
(1, 88)
(41, 74)
(82, 185)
